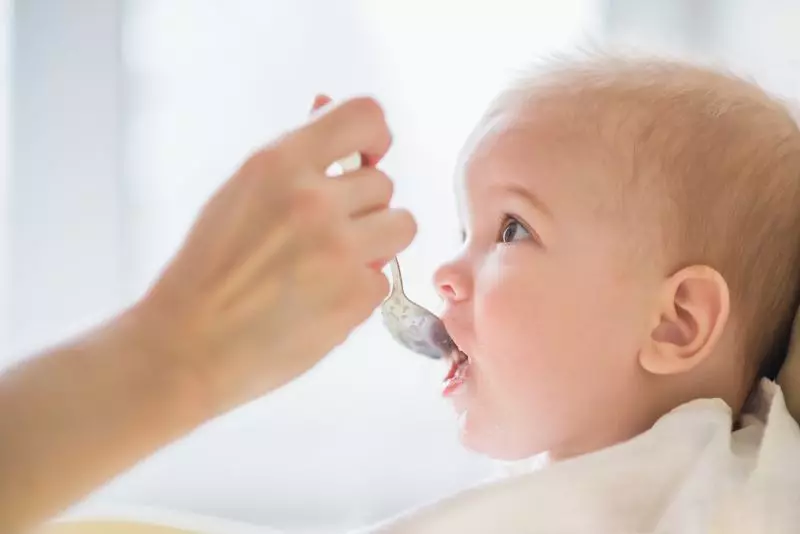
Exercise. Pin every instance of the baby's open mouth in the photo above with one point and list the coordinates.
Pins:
(459, 364)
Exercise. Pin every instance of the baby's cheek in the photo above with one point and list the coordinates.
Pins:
(539, 332)
(517, 307)
(514, 332)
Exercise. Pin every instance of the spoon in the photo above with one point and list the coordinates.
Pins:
(411, 325)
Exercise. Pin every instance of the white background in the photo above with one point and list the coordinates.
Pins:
(126, 115)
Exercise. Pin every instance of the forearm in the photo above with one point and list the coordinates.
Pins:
(75, 416)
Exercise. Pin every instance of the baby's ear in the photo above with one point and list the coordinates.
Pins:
(692, 314)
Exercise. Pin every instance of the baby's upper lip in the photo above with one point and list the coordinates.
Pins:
(456, 331)
(458, 354)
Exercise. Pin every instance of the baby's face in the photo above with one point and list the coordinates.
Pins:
(542, 300)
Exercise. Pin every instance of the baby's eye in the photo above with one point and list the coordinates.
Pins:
(512, 230)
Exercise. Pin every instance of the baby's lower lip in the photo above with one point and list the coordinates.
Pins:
(455, 378)
(451, 386)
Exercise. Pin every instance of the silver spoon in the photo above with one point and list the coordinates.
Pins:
(410, 324)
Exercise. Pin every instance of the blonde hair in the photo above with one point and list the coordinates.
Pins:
(711, 160)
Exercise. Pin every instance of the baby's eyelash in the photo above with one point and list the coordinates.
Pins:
(509, 218)
(506, 218)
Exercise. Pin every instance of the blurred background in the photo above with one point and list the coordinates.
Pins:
(118, 118)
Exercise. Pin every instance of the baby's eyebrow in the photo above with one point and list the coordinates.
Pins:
(531, 198)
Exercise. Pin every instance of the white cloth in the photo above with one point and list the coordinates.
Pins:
(688, 474)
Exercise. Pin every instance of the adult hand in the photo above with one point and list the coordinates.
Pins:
(278, 269)
(280, 266)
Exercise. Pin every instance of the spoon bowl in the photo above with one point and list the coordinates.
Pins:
(411, 325)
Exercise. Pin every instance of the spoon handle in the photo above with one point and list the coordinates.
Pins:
(397, 278)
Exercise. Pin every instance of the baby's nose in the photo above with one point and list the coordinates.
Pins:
(452, 281)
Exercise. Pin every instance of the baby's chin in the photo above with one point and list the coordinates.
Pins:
(491, 441)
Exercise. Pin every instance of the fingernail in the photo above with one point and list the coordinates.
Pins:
(320, 101)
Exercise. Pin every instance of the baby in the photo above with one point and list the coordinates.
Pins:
(629, 276)
(631, 243)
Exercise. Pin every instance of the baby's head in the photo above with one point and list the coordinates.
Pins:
(632, 242)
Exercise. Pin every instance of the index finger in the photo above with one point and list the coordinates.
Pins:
(357, 125)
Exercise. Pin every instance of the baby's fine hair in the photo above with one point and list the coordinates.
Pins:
(710, 174)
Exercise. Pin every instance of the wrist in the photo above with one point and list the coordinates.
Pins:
(162, 352)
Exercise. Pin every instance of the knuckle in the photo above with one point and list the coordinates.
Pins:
(310, 205)
(367, 108)
(334, 249)
(340, 246)
(385, 187)
(407, 227)
(267, 164)
(379, 187)
(271, 156)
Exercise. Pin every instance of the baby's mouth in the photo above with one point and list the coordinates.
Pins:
(459, 365)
